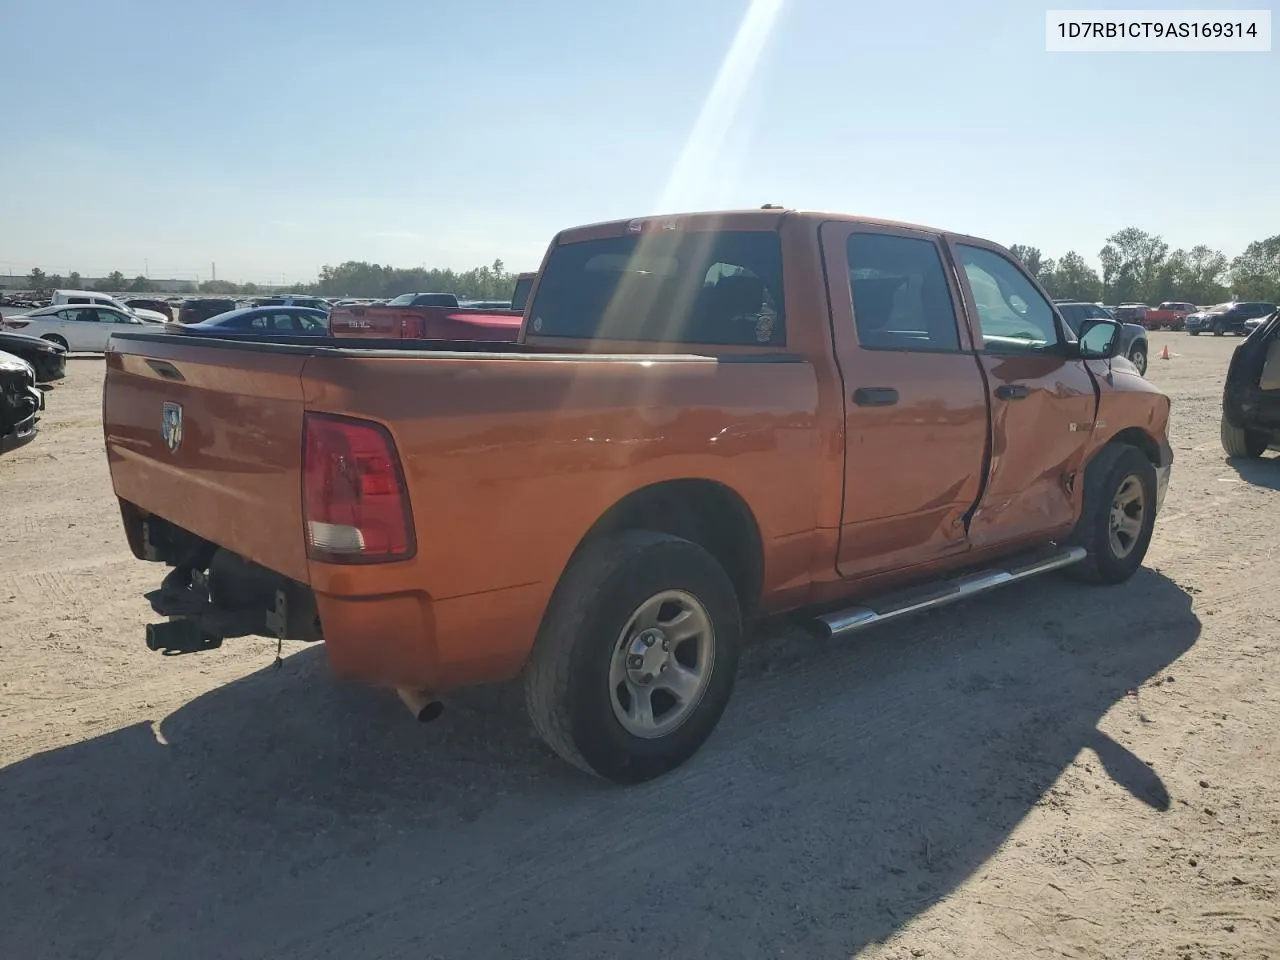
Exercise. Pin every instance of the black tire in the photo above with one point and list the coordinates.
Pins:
(1103, 478)
(566, 681)
(1138, 357)
(54, 338)
(1194, 333)
(1238, 442)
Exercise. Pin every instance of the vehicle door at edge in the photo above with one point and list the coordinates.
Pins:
(80, 328)
(1042, 403)
(63, 324)
(915, 401)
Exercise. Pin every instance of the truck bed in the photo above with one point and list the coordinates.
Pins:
(234, 479)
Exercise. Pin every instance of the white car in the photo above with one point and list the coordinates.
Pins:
(88, 298)
(80, 329)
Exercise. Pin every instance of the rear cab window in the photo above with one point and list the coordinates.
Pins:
(703, 287)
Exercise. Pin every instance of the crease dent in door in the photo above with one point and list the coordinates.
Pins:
(1038, 443)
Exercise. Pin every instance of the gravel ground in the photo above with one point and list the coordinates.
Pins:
(1050, 771)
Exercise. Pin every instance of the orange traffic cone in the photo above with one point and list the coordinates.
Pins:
(1164, 354)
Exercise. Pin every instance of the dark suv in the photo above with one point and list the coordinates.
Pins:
(1227, 317)
(197, 311)
(1133, 336)
(1251, 396)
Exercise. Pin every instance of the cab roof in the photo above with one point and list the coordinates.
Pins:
(765, 218)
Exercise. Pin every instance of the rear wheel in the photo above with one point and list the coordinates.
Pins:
(1118, 517)
(1194, 333)
(1238, 442)
(636, 657)
(54, 338)
(1138, 357)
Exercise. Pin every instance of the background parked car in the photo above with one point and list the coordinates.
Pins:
(161, 307)
(47, 358)
(1251, 394)
(75, 328)
(20, 401)
(198, 310)
(296, 321)
(1133, 336)
(315, 303)
(1249, 325)
(1228, 318)
(1131, 313)
(86, 297)
(1168, 316)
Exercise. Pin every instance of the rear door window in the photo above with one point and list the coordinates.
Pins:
(707, 287)
(901, 300)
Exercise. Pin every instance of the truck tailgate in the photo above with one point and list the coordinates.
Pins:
(207, 434)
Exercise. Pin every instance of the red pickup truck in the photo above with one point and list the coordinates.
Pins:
(707, 419)
(1168, 316)
(424, 316)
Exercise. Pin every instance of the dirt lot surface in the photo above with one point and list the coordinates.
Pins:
(1051, 771)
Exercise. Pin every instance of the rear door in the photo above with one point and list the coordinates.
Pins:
(1043, 404)
(915, 402)
(84, 332)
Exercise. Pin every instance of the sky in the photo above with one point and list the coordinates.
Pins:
(273, 137)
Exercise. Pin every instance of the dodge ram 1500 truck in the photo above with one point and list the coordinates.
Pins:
(707, 419)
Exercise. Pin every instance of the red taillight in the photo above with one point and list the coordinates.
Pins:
(354, 504)
(14, 324)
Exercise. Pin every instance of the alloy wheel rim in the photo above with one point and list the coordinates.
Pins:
(661, 664)
(1127, 516)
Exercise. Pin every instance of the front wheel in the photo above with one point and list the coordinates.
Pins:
(636, 656)
(1138, 357)
(1238, 442)
(1194, 333)
(1118, 516)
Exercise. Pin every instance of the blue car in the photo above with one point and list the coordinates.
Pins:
(265, 321)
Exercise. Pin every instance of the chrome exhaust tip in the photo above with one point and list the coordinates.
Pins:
(421, 703)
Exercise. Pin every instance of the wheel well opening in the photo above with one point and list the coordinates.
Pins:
(1139, 438)
(704, 512)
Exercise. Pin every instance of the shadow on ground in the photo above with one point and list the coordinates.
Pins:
(1264, 472)
(850, 786)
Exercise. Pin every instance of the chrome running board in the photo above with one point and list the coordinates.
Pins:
(939, 593)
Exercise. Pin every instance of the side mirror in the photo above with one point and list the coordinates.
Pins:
(1099, 339)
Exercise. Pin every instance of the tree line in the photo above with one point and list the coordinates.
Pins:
(1138, 267)
(354, 278)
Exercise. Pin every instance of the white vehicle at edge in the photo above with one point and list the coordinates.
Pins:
(81, 329)
(79, 297)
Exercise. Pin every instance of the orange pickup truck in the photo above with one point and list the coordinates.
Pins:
(707, 419)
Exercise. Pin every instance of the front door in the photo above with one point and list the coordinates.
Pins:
(914, 396)
(1043, 405)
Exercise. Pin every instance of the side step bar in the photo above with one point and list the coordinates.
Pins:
(891, 606)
